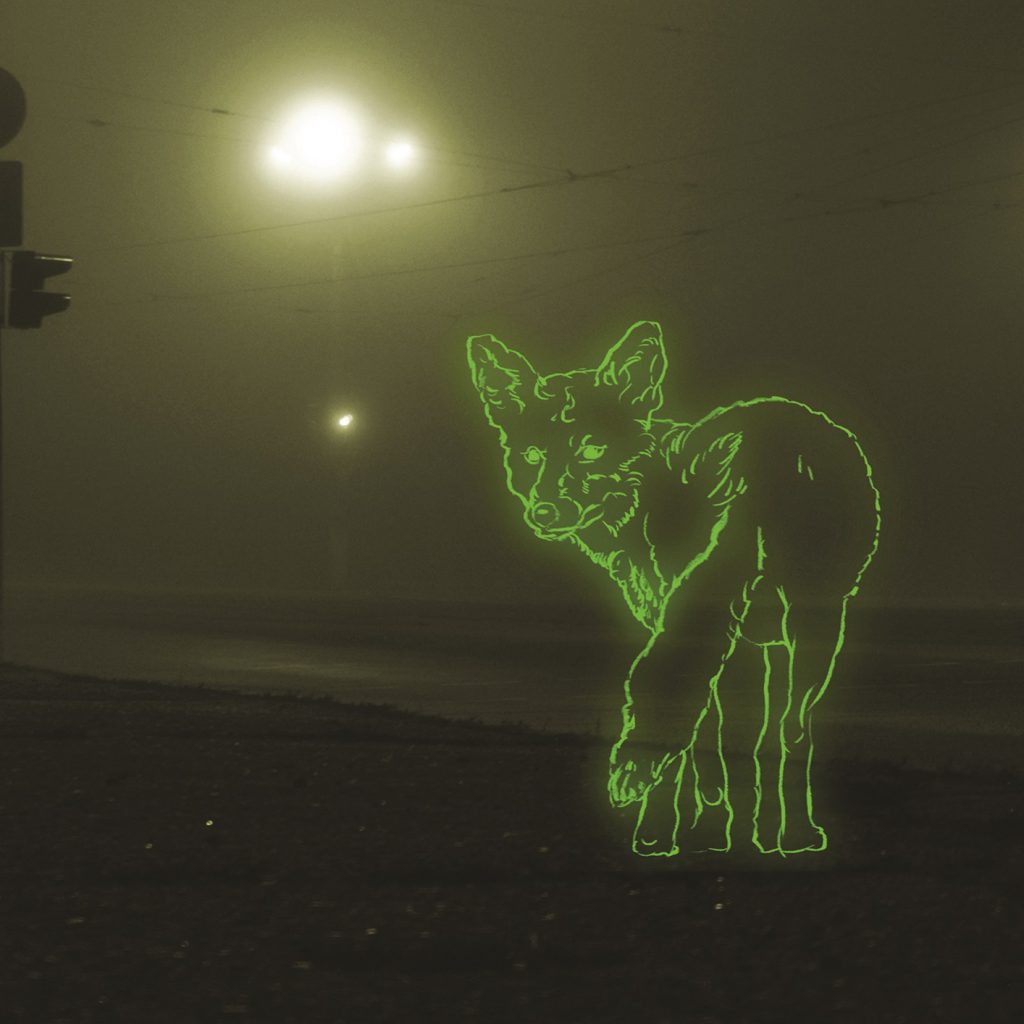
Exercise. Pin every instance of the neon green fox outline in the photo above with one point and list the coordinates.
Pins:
(766, 509)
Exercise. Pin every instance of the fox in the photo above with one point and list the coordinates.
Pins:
(746, 529)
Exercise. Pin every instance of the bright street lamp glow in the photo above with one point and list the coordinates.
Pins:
(345, 421)
(279, 158)
(320, 142)
(400, 154)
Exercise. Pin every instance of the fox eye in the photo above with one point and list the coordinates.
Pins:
(592, 452)
(533, 455)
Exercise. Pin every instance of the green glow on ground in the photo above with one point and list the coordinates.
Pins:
(723, 515)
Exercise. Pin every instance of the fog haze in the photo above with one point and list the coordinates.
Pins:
(818, 201)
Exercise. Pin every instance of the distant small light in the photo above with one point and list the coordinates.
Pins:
(345, 421)
(400, 154)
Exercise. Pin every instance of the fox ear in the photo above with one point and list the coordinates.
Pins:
(503, 377)
(635, 366)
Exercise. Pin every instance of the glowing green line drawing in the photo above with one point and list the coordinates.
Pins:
(752, 525)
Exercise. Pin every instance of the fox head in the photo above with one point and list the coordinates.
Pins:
(575, 444)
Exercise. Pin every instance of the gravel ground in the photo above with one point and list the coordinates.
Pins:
(178, 855)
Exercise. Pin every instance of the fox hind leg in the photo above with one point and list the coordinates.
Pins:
(767, 749)
(710, 826)
(814, 638)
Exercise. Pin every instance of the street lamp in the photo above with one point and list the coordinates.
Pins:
(401, 154)
(323, 140)
(319, 142)
(344, 480)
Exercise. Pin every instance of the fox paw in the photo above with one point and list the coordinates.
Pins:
(632, 774)
(802, 837)
(654, 845)
(627, 785)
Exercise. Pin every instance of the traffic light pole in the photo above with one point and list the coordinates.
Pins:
(3, 314)
(3, 608)
(26, 301)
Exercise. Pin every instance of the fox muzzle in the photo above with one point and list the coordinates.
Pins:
(552, 520)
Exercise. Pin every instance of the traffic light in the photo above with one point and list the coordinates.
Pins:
(27, 300)
(10, 202)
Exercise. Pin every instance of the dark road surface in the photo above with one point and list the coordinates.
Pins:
(173, 855)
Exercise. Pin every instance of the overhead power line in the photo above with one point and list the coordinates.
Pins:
(355, 214)
(619, 173)
(821, 51)
(673, 239)
(770, 137)
(102, 123)
(675, 236)
(160, 101)
(938, 148)
(99, 122)
(608, 173)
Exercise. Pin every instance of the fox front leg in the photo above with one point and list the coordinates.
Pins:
(669, 692)
(660, 813)
(663, 780)
(688, 796)
(670, 787)
(638, 762)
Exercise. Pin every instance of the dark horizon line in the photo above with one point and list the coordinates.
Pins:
(110, 589)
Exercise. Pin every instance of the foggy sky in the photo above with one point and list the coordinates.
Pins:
(825, 201)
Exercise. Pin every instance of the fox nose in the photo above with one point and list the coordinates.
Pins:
(544, 514)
